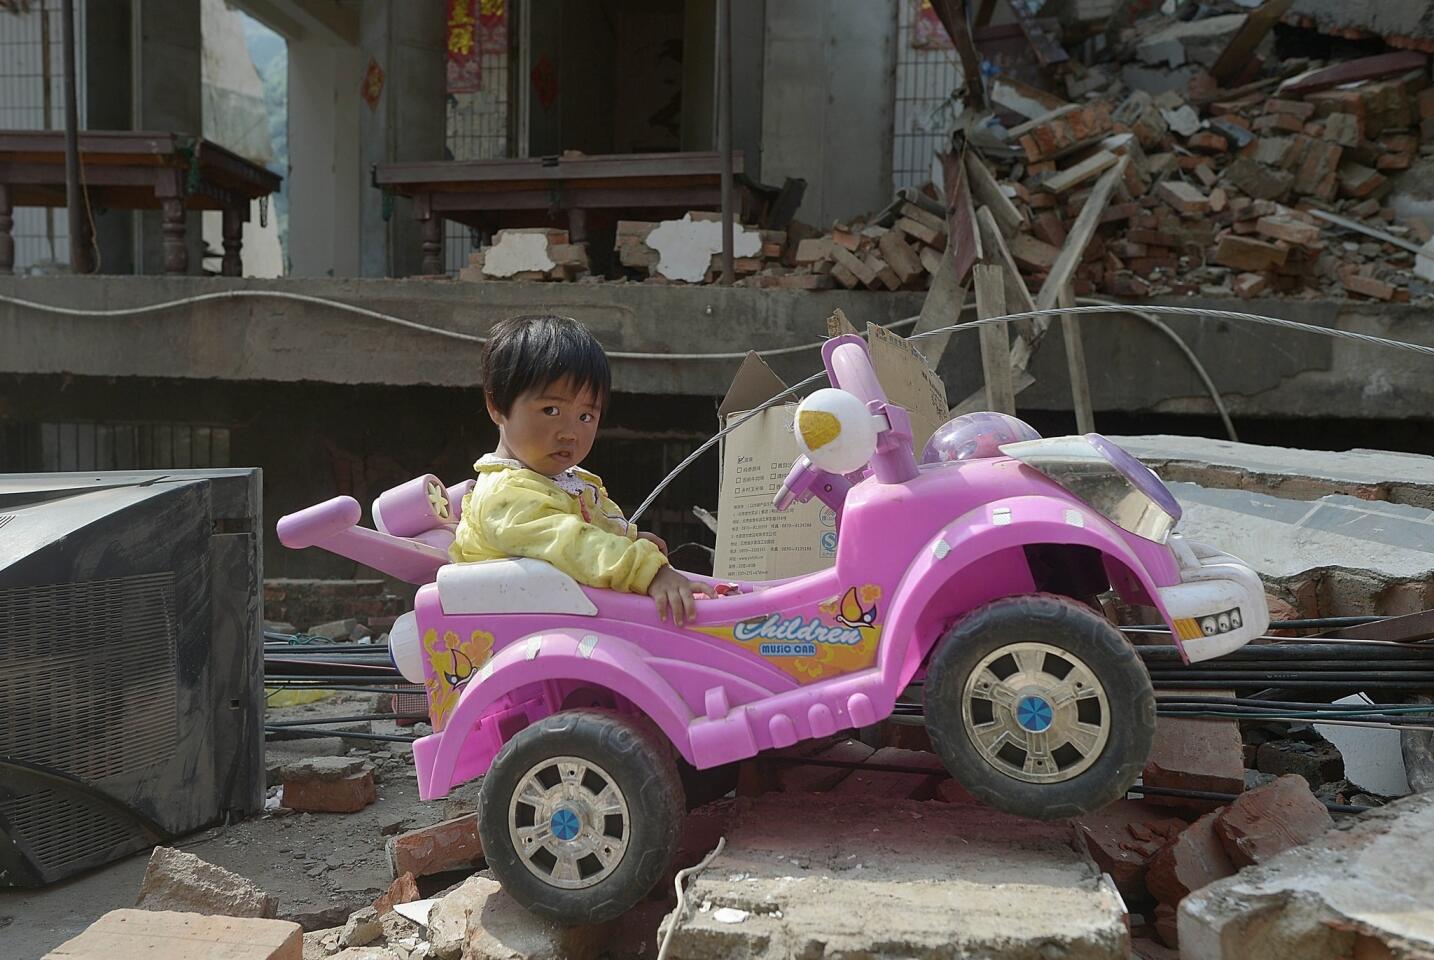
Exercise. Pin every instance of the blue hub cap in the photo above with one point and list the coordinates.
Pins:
(1033, 714)
(565, 824)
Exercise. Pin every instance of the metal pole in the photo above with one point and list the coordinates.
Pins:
(724, 131)
(80, 261)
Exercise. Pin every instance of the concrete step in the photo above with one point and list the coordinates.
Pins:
(839, 876)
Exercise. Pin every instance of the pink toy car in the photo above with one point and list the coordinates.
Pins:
(975, 574)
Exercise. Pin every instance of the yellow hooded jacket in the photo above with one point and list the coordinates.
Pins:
(566, 520)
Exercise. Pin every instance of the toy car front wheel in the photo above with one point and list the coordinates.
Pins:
(1040, 707)
(579, 815)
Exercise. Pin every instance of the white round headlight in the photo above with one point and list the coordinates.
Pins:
(835, 430)
(405, 648)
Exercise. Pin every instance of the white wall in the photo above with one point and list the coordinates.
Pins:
(325, 172)
(828, 93)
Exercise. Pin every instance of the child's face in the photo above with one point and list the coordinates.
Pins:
(550, 428)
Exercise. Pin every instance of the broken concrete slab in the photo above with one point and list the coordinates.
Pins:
(1194, 41)
(361, 929)
(1338, 555)
(480, 922)
(1288, 472)
(897, 878)
(174, 935)
(179, 881)
(1267, 821)
(1360, 887)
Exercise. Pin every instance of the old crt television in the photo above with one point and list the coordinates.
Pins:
(131, 663)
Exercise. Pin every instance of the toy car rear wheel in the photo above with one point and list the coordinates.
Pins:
(1040, 707)
(579, 814)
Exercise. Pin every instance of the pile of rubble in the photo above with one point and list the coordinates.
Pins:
(1238, 173)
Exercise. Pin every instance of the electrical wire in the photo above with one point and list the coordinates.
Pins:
(681, 911)
(1185, 351)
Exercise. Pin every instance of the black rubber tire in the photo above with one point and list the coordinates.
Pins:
(639, 760)
(1071, 626)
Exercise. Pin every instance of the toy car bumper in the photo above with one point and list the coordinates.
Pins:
(1219, 604)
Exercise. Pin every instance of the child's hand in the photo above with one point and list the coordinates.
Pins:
(672, 591)
(655, 540)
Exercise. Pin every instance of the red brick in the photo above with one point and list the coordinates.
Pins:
(1250, 285)
(450, 845)
(1289, 229)
(343, 795)
(1188, 200)
(1048, 227)
(1245, 254)
(1297, 108)
(1271, 819)
(1317, 173)
(1196, 755)
(1279, 123)
(1062, 133)
(1123, 837)
(402, 890)
(1368, 287)
(1207, 141)
(1218, 200)
(1359, 181)
(1196, 858)
(1425, 101)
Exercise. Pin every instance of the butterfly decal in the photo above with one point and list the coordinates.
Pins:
(462, 669)
(851, 613)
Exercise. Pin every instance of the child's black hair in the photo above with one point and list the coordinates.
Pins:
(532, 351)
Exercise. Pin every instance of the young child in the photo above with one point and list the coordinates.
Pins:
(546, 382)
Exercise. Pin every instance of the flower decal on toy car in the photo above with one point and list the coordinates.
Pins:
(452, 662)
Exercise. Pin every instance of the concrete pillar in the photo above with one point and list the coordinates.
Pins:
(171, 44)
(409, 123)
(109, 105)
(828, 88)
(327, 181)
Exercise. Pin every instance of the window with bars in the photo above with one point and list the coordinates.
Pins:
(32, 97)
(927, 73)
(477, 120)
(78, 445)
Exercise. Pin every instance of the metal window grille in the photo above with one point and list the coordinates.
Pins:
(925, 80)
(477, 126)
(51, 447)
(32, 97)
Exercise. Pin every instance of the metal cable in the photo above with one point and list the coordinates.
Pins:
(678, 914)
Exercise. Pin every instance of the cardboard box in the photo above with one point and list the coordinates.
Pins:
(754, 541)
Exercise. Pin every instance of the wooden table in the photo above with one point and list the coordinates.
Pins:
(134, 170)
(486, 194)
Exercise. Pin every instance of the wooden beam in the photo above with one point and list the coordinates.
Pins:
(1078, 238)
(995, 340)
(1075, 363)
(942, 307)
(985, 190)
(1087, 169)
(1235, 58)
(952, 14)
(1017, 299)
(963, 243)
